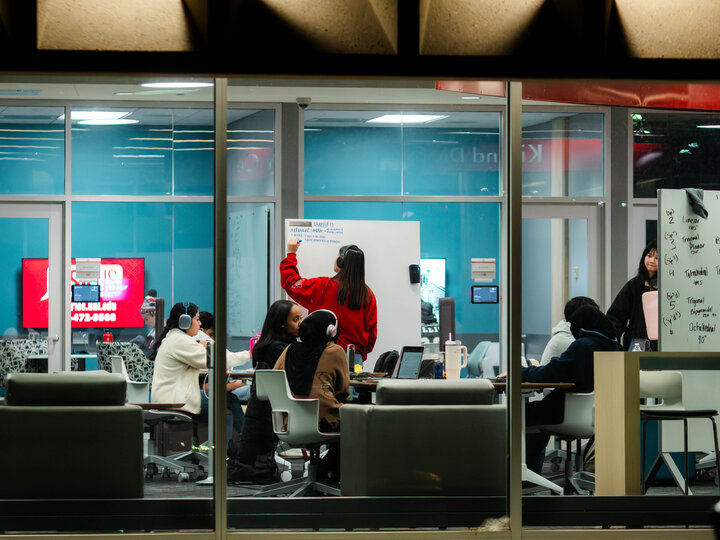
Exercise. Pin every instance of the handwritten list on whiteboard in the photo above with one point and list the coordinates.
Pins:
(689, 272)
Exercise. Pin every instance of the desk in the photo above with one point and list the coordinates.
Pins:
(245, 374)
(35, 360)
(160, 406)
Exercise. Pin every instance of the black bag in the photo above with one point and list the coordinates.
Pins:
(263, 471)
(386, 362)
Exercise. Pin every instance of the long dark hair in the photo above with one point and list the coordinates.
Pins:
(642, 270)
(273, 329)
(173, 322)
(351, 278)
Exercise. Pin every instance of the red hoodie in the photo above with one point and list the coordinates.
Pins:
(357, 326)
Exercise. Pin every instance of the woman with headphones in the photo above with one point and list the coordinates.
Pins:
(316, 368)
(345, 294)
(178, 361)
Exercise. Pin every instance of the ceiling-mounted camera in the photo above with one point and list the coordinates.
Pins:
(303, 102)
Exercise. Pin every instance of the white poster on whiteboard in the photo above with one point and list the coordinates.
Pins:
(390, 247)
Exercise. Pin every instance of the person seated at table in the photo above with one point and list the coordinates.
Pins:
(207, 326)
(178, 361)
(317, 368)
(562, 337)
(252, 451)
(593, 332)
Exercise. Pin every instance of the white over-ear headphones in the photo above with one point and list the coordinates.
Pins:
(332, 329)
(185, 320)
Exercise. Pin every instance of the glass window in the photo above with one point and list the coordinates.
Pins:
(674, 151)
(563, 154)
(453, 153)
(32, 150)
(251, 152)
(142, 151)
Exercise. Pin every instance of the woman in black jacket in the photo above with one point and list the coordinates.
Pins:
(252, 452)
(626, 311)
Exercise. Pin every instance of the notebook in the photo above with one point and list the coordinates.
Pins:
(408, 365)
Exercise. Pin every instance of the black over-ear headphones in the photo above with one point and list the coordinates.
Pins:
(343, 251)
(185, 320)
(332, 329)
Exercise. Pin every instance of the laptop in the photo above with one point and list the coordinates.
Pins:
(408, 365)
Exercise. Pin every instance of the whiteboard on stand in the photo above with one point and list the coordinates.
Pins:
(390, 247)
(689, 273)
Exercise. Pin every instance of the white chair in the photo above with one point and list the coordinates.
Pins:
(578, 424)
(188, 465)
(137, 392)
(665, 389)
(295, 422)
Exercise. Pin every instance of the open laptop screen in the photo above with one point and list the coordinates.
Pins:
(408, 365)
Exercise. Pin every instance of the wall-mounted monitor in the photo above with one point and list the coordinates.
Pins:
(121, 292)
(484, 294)
(86, 293)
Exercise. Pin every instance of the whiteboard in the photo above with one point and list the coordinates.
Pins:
(389, 247)
(689, 273)
(248, 234)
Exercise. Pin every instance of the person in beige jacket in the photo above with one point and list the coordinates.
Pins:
(178, 361)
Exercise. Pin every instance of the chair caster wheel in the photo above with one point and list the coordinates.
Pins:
(183, 477)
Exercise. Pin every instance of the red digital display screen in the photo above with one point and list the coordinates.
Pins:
(122, 290)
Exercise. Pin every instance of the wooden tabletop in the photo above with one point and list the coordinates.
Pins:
(245, 374)
(371, 384)
(159, 406)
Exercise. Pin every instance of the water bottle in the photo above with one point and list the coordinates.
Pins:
(107, 336)
(636, 348)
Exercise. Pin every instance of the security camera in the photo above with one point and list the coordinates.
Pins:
(303, 102)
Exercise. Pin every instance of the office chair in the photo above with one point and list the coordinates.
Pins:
(139, 367)
(295, 421)
(578, 423)
(12, 360)
(474, 363)
(666, 388)
(188, 465)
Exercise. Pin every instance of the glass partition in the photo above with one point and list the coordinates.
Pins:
(32, 150)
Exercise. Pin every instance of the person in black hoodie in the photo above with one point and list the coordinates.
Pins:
(593, 332)
(626, 311)
(251, 453)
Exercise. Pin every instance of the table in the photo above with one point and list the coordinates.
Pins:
(245, 374)
(367, 386)
(159, 406)
(81, 358)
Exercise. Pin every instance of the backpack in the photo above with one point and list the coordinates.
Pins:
(386, 362)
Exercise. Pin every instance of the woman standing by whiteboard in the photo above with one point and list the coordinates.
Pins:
(626, 311)
(345, 294)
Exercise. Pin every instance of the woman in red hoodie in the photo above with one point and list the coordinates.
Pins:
(345, 294)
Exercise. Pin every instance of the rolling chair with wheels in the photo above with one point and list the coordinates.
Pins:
(295, 422)
(666, 388)
(578, 423)
(188, 465)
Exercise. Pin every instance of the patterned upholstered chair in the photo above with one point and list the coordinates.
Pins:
(12, 360)
(33, 347)
(139, 367)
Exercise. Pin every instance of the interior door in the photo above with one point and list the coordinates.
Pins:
(561, 260)
(31, 236)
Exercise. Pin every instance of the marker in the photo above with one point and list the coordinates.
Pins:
(299, 241)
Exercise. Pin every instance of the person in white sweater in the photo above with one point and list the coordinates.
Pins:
(178, 360)
(561, 335)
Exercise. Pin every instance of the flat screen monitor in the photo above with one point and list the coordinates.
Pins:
(121, 289)
(484, 294)
(86, 293)
(432, 286)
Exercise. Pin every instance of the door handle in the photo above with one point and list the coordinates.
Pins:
(54, 338)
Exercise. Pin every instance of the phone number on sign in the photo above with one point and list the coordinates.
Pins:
(93, 317)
